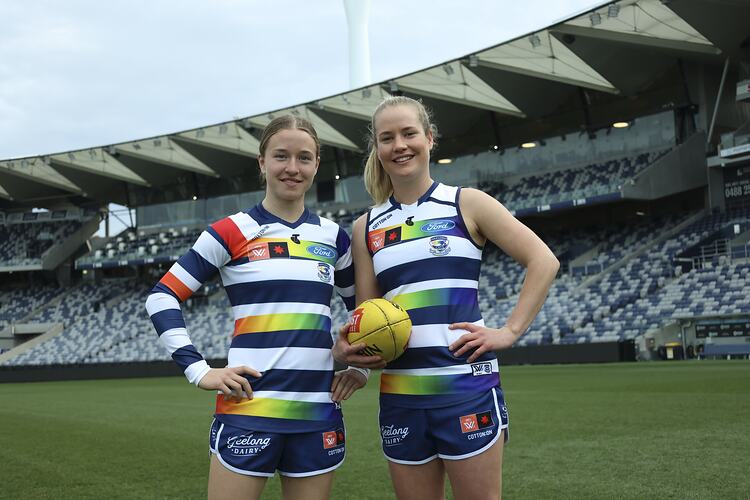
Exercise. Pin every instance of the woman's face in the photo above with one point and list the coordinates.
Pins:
(403, 146)
(289, 163)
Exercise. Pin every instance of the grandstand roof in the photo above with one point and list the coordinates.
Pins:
(580, 73)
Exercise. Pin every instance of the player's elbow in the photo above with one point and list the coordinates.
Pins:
(550, 263)
(546, 264)
(150, 303)
(554, 263)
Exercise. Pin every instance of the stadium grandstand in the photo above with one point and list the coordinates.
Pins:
(620, 135)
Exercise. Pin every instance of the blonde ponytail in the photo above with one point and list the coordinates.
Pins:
(377, 182)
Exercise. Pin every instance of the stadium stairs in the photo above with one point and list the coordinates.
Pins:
(632, 253)
(657, 289)
(43, 332)
(64, 239)
(22, 324)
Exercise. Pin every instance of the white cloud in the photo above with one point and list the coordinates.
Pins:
(84, 73)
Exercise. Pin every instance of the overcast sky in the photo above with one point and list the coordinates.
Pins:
(84, 73)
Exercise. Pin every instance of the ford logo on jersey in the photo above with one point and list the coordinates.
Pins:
(321, 251)
(438, 226)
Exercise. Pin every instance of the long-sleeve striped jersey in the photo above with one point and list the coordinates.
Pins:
(279, 278)
(426, 261)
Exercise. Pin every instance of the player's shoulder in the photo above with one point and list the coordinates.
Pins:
(444, 192)
(473, 194)
(378, 210)
(327, 224)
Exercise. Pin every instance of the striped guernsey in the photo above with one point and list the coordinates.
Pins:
(426, 261)
(279, 278)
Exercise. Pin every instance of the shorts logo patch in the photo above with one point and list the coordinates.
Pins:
(469, 423)
(439, 246)
(485, 419)
(475, 422)
(393, 435)
(484, 368)
(246, 444)
(333, 439)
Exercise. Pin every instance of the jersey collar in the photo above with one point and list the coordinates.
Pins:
(421, 199)
(263, 216)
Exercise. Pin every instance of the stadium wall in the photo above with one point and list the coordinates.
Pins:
(602, 352)
(680, 170)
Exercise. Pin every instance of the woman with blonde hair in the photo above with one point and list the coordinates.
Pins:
(442, 409)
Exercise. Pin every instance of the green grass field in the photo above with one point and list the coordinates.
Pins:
(647, 430)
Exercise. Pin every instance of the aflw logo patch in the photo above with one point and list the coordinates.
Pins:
(263, 251)
(475, 422)
(257, 252)
(333, 439)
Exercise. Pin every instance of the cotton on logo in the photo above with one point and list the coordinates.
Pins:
(469, 423)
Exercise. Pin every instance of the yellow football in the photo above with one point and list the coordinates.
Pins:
(384, 328)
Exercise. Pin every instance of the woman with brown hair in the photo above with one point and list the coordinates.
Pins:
(278, 402)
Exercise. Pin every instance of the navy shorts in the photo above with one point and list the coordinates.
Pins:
(416, 436)
(255, 453)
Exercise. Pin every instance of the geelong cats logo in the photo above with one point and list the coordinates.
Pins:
(439, 246)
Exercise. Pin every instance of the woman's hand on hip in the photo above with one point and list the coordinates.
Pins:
(345, 382)
(480, 338)
(231, 381)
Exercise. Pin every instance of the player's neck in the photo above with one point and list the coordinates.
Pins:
(408, 191)
(289, 211)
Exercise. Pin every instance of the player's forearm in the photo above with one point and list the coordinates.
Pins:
(540, 274)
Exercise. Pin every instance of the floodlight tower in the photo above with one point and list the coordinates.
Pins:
(357, 14)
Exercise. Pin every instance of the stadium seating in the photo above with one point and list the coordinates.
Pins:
(646, 292)
(17, 303)
(131, 245)
(581, 182)
(24, 244)
(167, 245)
(630, 284)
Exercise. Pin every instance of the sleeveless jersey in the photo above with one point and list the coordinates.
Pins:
(279, 278)
(426, 261)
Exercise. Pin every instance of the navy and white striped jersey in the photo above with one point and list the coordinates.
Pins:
(279, 278)
(426, 261)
